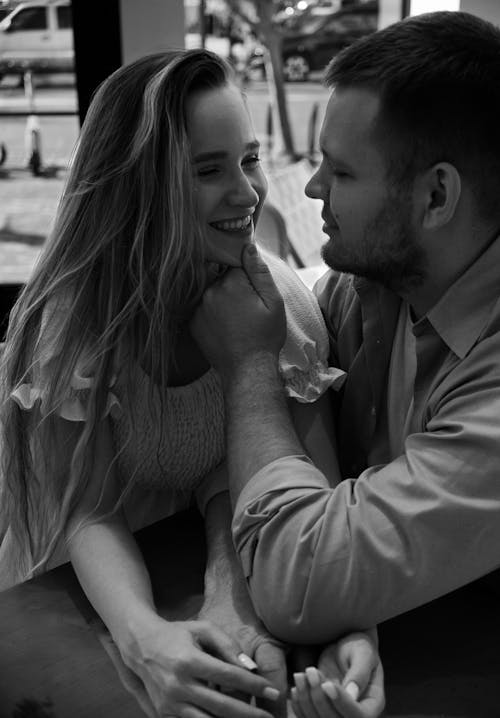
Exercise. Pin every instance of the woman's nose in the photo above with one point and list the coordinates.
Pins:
(243, 192)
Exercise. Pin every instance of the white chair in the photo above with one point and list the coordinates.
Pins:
(271, 234)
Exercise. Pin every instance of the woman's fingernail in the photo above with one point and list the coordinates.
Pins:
(251, 249)
(247, 662)
(293, 694)
(313, 677)
(300, 681)
(353, 689)
(271, 694)
(330, 690)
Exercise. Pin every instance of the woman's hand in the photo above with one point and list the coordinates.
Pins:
(182, 665)
(348, 684)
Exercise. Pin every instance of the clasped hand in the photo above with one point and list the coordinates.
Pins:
(240, 315)
(348, 683)
(189, 669)
(235, 614)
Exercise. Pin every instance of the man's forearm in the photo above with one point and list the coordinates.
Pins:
(259, 426)
(223, 573)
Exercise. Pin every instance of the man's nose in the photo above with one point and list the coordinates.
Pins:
(314, 188)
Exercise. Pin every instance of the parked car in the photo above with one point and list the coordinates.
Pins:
(37, 36)
(310, 41)
(4, 11)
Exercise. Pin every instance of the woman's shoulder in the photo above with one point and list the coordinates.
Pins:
(304, 356)
(54, 315)
(301, 305)
(286, 278)
(62, 331)
(63, 365)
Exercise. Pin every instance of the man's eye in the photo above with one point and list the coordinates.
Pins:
(338, 173)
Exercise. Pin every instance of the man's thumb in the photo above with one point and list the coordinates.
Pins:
(259, 275)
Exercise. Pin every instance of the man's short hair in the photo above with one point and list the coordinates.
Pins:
(438, 78)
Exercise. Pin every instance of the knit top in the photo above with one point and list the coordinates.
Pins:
(176, 453)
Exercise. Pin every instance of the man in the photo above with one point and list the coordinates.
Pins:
(410, 185)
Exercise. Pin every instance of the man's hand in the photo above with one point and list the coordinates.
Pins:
(241, 315)
(256, 642)
(228, 606)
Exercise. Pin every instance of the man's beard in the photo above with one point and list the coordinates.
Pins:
(389, 253)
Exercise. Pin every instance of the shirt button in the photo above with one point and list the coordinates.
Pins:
(373, 411)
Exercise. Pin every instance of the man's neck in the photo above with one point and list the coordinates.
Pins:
(449, 257)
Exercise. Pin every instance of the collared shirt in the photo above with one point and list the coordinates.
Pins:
(393, 420)
(398, 534)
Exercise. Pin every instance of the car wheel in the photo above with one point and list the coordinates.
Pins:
(296, 68)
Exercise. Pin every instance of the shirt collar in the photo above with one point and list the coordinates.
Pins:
(463, 311)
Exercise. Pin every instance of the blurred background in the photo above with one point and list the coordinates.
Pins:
(54, 53)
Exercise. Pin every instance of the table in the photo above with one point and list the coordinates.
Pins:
(441, 661)
(53, 647)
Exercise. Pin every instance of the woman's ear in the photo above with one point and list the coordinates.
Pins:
(442, 187)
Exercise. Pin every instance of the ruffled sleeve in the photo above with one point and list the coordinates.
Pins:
(33, 394)
(304, 358)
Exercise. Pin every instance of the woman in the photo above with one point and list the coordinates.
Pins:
(110, 407)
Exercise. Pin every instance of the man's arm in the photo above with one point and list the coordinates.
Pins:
(228, 605)
(320, 561)
(259, 427)
(252, 384)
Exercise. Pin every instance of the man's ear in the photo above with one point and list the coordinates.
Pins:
(442, 189)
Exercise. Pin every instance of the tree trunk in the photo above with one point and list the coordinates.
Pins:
(272, 40)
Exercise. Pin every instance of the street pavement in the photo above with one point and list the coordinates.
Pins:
(27, 209)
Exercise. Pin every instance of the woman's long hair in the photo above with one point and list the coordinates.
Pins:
(122, 267)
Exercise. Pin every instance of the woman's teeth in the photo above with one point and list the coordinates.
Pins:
(231, 225)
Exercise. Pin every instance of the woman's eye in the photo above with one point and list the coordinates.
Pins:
(207, 171)
(252, 161)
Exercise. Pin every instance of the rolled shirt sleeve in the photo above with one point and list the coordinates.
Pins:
(320, 561)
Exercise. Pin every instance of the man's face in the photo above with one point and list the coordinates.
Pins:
(369, 220)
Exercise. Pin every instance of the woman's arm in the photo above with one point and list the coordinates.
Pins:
(175, 660)
(102, 549)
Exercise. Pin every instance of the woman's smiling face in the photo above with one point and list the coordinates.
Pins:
(230, 186)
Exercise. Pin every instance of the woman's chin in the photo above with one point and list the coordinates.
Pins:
(226, 260)
(229, 255)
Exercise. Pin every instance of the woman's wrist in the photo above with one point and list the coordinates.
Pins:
(130, 631)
